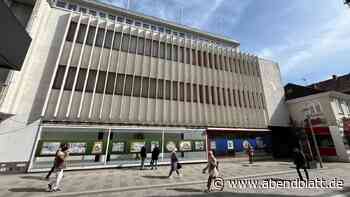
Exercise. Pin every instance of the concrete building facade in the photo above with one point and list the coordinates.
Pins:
(108, 81)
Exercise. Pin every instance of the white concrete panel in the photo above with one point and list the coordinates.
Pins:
(159, 111)
(76, 54)
(129, 69)
(150, 110)
(146, 66)
(65, 53)
(75, 105)
(86, 56)
(153, 68)
(95, 58)
(106, 108)
(86, 106)
(274, 93)
(143, 109)
(124, 113)
(166, 111)
(51, 104)
(115, 107)
(138, 65)
(104, 59)
(63, 105)
(96, 107)
(134, 109)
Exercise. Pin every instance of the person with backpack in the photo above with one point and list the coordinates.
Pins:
(212, 167)
(59, 165)
(155, 155)
(174, 163)
(143, 154)
(300, 162)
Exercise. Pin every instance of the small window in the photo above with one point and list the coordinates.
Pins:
(129, 21)
(145, 25)
(61, 4)
(148, 47)
(168, 51)
(140, 46)
(161, 29)
(155, 48)
(125, 43)
(207, 97)
(133, 44)
(138, 23)
(120, 19)
(102, 15)
(162, 50)
(175, 90)
(182, 35)
(83, 10)
(92, 12)
(111, 17)
(175, 33)
(200, 88)
(72, 7)
(154, 28)
(168, 31)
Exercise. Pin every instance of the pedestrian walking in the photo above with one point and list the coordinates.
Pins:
(143, 155)
(155, 156)
(175, 165)
(250, 153)
(53, 166)
(59, 165)
(212, 168)
(300, 162)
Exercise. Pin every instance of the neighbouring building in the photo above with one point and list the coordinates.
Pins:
(329, 115)
(108, 81)
(336, 83)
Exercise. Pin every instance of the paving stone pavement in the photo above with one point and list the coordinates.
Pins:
(79, 181)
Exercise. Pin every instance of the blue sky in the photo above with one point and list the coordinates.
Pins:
(309, 41)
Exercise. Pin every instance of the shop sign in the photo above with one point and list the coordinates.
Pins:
(213, 144)
(135, 147)
(77, 148)
(170, 146)
(230, 145)
(199, 145)
(49, 148)
(185, 146)
(97, 148)
(118, 147)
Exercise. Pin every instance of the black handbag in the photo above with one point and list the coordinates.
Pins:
(179, 166)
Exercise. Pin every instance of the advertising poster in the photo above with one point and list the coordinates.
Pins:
(185, 146)
(213, 145)
(97, 148)
(135, 147)
(77, 148)
(170, 146)
(230, 145)
(118, 147)
(260, 144)
(49, 148)
(199, 145)
(154, 144)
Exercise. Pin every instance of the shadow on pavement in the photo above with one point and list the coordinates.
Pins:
(40, 178)
(233, 194)
(185, 189)
(155, 177)
(27, 189)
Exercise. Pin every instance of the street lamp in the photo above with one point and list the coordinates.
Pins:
(314, 139)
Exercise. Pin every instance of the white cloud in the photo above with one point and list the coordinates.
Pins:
(310, 49)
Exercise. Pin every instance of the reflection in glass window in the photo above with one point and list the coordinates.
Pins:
(72, 7)
(138, 23)
(82, 10)
(92, 12)
(61, 3)
(111, 17)
(102, 15)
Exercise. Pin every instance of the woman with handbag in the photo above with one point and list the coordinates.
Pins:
(175, 165)
(212, 167)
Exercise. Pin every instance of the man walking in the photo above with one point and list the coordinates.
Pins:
(300, 162)
(59, 165)
(53, 166)
(155, 155)
(143, 155)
